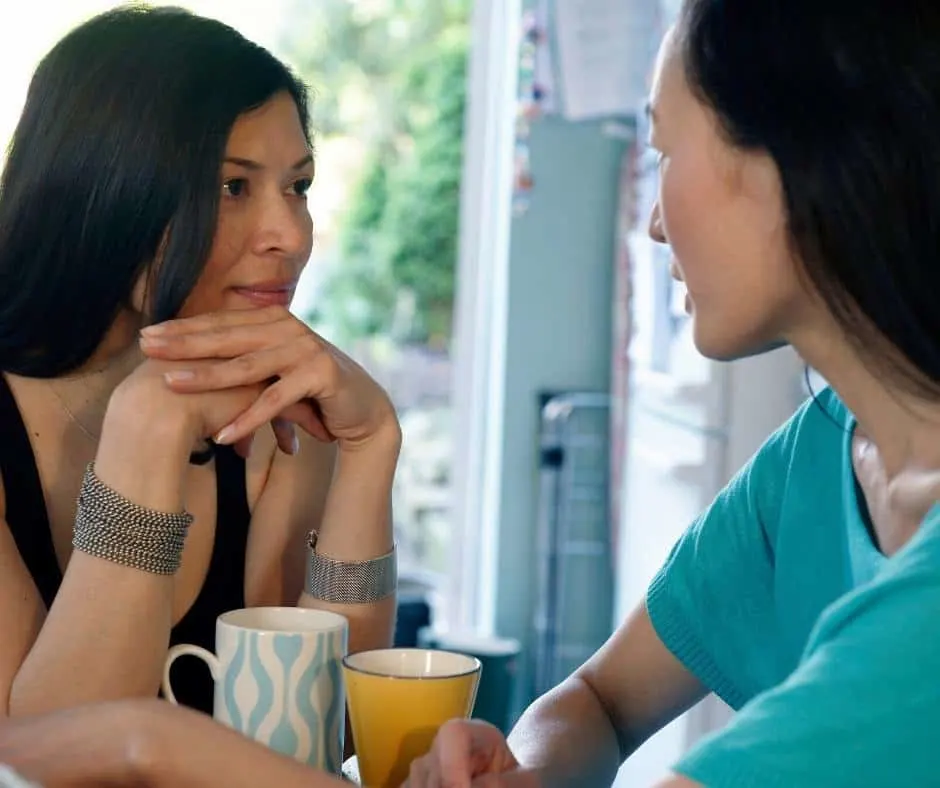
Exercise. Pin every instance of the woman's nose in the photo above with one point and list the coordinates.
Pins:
(283, 228)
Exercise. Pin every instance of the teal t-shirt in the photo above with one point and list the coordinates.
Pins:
(780, 602)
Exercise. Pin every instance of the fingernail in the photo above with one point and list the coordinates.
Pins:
(224, 436)
(149, 341)
(178, 375)
(156, 328)
(294, 444)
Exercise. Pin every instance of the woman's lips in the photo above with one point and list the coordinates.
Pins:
(267, 296)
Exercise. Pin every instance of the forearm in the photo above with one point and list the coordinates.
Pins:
(196, 752)
(111, 620)
(105, 637)
(144, 743)
(568, 738)
(357, 526)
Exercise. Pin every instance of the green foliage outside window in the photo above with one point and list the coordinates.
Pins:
(392, 73)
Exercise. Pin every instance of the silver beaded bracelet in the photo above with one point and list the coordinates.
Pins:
(109, 526)
(350, 582)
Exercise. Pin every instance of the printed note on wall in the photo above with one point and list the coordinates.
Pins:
(606, 50)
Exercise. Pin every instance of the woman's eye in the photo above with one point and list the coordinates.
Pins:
(302, 186)
(235, 187)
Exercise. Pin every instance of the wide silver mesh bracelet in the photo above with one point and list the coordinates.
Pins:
(350, 582)
(109, 526)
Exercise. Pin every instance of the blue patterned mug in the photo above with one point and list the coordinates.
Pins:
(278, 679)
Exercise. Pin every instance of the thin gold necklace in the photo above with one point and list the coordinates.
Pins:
(75, 420)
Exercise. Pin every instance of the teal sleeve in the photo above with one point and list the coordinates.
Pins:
(861, 709)
(712, 603)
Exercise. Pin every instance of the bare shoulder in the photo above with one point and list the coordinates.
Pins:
(259, 463)
(288, 495)
(303, 477)
(315, 457)
(266, 466)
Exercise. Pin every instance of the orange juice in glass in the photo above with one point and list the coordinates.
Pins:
(398, 699)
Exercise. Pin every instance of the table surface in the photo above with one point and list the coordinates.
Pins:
(351, 770)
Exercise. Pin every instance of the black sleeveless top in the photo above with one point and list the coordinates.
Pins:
(224, 587)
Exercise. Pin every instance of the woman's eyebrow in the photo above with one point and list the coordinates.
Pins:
(250, 164)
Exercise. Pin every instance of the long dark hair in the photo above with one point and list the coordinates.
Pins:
(117, 157)
(845, 97)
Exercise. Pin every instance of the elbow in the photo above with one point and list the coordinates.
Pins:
(626, 743)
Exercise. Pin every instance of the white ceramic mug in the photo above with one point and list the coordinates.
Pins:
(278, 679)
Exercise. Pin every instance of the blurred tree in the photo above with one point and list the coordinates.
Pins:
(391, 73)
(422, 207)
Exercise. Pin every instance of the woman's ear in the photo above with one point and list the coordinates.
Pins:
(760, 184)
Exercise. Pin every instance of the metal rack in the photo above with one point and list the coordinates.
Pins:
(574, 612)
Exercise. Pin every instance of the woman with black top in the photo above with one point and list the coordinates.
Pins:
(153, 226)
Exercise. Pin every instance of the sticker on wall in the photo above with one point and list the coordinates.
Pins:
(533, 96)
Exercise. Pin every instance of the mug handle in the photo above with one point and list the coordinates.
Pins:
(190, 651)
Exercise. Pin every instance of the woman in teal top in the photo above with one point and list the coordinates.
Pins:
(799, 161)
(799, 155)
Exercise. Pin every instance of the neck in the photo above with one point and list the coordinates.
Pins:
(86, 391)
(118, 352)
(904, 427)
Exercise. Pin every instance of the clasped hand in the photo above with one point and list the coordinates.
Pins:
(470, 754)
(298, 377)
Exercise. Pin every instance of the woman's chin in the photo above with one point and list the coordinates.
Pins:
(722, 345)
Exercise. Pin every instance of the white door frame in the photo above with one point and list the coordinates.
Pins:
(480, 311)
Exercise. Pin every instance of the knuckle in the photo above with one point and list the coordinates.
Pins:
(204, 377)
(244, 365)
(310, 343)
(272, 397)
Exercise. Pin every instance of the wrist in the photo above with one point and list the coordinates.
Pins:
(385, 441)
(379, 452)
(356, 524)
(143, 408)
(144, 448)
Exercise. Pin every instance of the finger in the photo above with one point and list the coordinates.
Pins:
(417, 775)
(222, 319)
(299, 413)
(286, 436)
(454, 748)
(311, 422)
(258, 366)
(223, 342)
(305, 383)
(306, 416)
